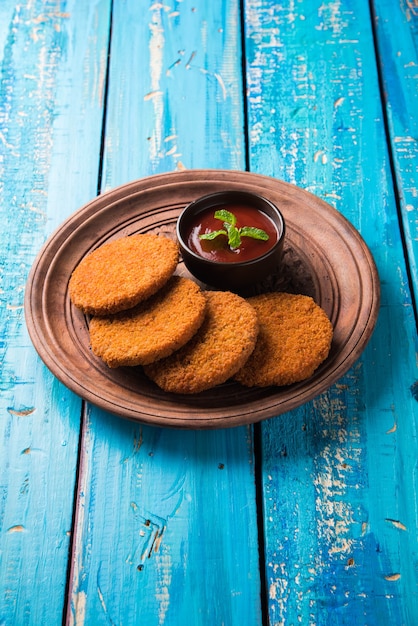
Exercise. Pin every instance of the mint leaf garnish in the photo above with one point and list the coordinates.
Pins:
(234, 234)
(255, 233)
(234, 238)
(213, 234)
(226, 216)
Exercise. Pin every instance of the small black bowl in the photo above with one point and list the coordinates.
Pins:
(237, 276)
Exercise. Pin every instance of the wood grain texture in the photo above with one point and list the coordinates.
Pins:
(397, 40)
(166, 525)
(161, 521)
(176, 98)
(165, 528)
(339, 473)
(50, 83)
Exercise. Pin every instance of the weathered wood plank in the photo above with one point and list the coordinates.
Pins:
(397, 39)
(340, 473)
(163, 516)
(50, 97)
(166, 527)
(192, 58)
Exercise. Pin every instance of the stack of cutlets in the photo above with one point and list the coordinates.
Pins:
(186, 339)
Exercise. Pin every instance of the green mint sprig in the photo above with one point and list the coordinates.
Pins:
(233, 233)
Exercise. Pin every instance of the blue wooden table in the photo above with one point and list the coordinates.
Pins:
(310, 517)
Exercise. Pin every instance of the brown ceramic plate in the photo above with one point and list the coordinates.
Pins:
(324, 257)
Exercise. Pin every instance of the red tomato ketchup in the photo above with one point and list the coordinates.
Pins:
(218, 248)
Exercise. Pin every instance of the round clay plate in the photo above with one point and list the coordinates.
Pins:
(324, 257)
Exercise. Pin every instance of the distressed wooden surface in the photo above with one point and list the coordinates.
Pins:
(153, 499)
(53, 63)
(339, 474)
(397, 42)
(105, 521)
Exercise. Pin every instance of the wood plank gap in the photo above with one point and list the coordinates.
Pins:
(396, 190)
(244, 86)
(258, 477)
(105, 99)
(66, 613)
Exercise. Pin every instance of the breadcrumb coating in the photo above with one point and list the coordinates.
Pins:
(120, 274)
(294, 339)
(151, 330)
(220, 348)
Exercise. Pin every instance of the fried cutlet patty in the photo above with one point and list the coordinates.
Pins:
(294, 338)
(120, 274)
(151, 330)
(217, 351)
